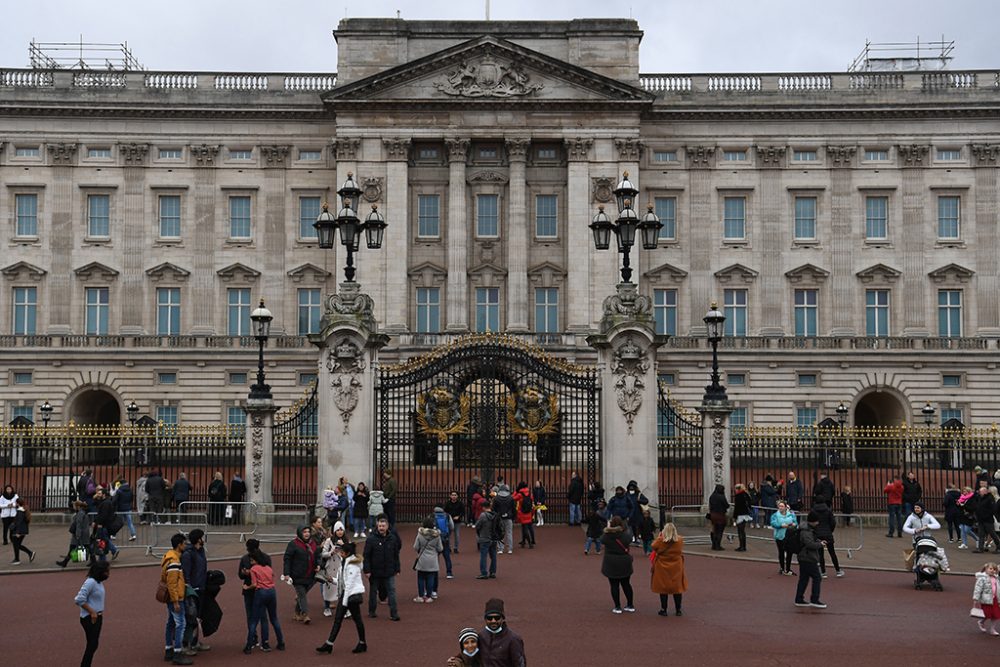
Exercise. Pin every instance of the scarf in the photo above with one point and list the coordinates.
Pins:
(309, 548)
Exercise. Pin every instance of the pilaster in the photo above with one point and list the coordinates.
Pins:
(259, 453)
(398, 235)
(62, 157)
(580, 316)
(914, 284)
(716, 448)
(705, 234)
(986, 161)
(202, 294)
(842, 312)
(518, 230)
(769, 236)
(274, 236)
(133, 234)
(458, 237)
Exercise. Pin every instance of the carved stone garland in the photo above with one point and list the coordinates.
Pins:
(257, 452)
(718, 451)
(629, 364)
(345, 362)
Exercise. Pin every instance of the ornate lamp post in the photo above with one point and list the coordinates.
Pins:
(132, 410)
(928, 412)
(625, 226)
(261, 322)
(133, 413)
(842, 411)
(714, 320)
(46, 410)
(350, 225)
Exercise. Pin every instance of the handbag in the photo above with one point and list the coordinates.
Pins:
(162, 594)
(78, 555)
(977, 611)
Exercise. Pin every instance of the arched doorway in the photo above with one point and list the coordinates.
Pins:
(98, 408)
(877, 415)
(94, 406)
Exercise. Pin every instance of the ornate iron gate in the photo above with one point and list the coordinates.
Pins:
(295, 438)
(679, 453)
(487, 406)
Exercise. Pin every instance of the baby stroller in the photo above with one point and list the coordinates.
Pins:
(929, 561)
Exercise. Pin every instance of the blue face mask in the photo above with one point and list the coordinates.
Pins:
(470, 654)
(495, 632)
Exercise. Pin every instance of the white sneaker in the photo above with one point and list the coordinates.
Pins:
(840, 573)
(434, 595)
(355, 536)
(962, 546)
(328, 612)
(616, 610)
(363, 534)
(630, 610)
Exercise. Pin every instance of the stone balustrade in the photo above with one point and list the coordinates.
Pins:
(813, 82)
(195, 81)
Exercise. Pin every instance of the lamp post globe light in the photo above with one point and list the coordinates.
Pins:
(261, 322)
(928, 412)
(133, 412)
(714, 320)
(46, 410)
(626, 226)
(842, 411)
(350, 225)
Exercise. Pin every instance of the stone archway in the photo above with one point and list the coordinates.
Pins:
(877, 413)
(94, 405)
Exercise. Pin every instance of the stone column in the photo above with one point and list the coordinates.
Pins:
(260, 450)
(842, 311)
(202, 295)
(716, 447)
(626, 355)
(705, 233)
(397, 235)
(914, 287)
(579, 246)
(348, 346)
(986, 159)
(134, 234)
(518, 233)
(62, 238)
(273, 239)
(458, 238)
(769, 236)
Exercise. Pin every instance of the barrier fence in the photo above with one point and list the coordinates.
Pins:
(277, 522)
(224, 517)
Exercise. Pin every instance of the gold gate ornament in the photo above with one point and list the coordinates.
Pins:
(532, 413)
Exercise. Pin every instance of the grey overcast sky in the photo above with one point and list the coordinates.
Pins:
(680, 35)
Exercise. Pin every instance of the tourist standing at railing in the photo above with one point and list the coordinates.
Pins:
(181, 491)
(846, 504)
(894, 500)
(8, 508)
(471, 489)
(390, 489)
(123, 505)
(237, 494)
(86, 487)
(346, 488)
(912, 493)
(141, 498)
(742, 508)
(754, 494)
(217, 497)
(967, 506)
(768, 499)
(524, 510)
(156, 487)
(539, 494)
(456, 510)
(952, 512)
(718, 506)
(985, 516)
(794, 492)
(362, 516)
(781, 521)
(574, 496)
(824, 489)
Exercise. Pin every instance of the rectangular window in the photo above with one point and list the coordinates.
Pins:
(309, 210)
(738, 423)
(804, 156)
(310, 156)
(877, 312)
(805, 419)
(27, 151)
(240, 154)
(487, 309)
(171, 154)
(22, 377)
(309, 311)
(806, 312)
(735, 311)
(238, 378)
(668, 379)
(166, 414)
(488, 215)
(428, 153)
(665, 209)
(166, 378)
(665, 311)
(98, 216)
(239, 217)
(951, 380)
(236, 418)
(664, 156)
(949, 313)
(736, 379)
(948, 217)
(168, 311)
(25, 311)
(99, 152)
(239, 311)
(487, 153)
(734, 218)
(306, 379)
(26, 411)
(428, 309)
(429, 216)
(546, 310)
(546, 215)
(807, 379)
(170, 216)
(951, 413)
(876, 218)
(734, 156)
(876, 155)
(97, 311)
(546, 153)
(805, 218)
(26, 208)
(949, 154)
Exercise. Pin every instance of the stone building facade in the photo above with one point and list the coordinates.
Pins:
(846, 223)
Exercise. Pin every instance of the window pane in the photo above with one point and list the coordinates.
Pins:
(97, 311)
(877, 312)
(429, 215)
(738, 422)
(546, 215)
(170, 216)
(239, 312)
(666, 210)
(235, 417)
(168, 311)
(546, 310)
(309, 155)
(170, 153)
(734, 221)
(876, 217)
(27, 215)
(949, 313)
(428, 309)
(25, 309)
(948, 217)
(805, 218)
(167, 414)
(309, 311)
(309, 210)
(99, 215)
(734, 156)
(806, 312)
(665, 311)
(664, 156)
(804, 156)
(735, 311)
(487, 309)
(239, 217)
(487, 215)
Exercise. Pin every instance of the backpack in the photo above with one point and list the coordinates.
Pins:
(525, 504)
(496, 529)
(442, 524)
(793, 541)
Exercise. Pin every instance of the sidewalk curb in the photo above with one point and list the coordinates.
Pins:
(869, 568)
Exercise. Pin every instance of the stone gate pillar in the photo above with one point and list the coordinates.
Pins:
(259, 449)
(716, 447)
(348, 345)
(626, 349)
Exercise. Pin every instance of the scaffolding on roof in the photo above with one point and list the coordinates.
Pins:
(903, 56)
(82, 55)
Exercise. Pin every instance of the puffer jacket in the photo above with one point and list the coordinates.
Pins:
(173, 574)
(982, 592)
(350, 582)
(300, 559)
(617, 563)
(811, 546)
(428, 545)
(376, 503)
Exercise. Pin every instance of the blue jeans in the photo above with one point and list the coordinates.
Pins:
(487, 548)
(175, 626)
(445, 542)
(907, 509)
(265, 607)
(128, 522)
(966, 531)
(596, 541)
(426, 583)
(575, 515)
(895, 519)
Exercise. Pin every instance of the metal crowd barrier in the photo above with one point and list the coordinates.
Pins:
(685, 516)
(850, 529)
(224, 518)
(277, 522)
(144, 534)
(168, 524)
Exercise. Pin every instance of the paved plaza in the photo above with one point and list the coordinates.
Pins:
(737, 608)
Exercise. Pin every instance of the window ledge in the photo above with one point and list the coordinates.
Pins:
(25, 241)
(94, 240)
(950, 244)
(307, 243)
(240, 242)
(869, 243)
(168, 242)
(429, 240)
(805, 243)
(735, 243)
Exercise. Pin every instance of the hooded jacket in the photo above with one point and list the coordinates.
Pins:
(350, 582)
(300, 559)
(951, 509)
(523, 517)
(376, 503)
(8, 505)
(381, 557)
(824, 489)
(768, 495)
(428, 545)
(617, 562)
(811, 546)
(827, 523)
(982, 592)
(781, 522)
(173, 575)
(503, 504)
(912, 491)
(622, 506)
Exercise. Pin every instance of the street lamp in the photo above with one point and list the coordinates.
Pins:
(842, 411)
(714, 319)
(928, 412)
(261, 319)
(46, 410)
(350, 225)
(626, 226)
(133, 413)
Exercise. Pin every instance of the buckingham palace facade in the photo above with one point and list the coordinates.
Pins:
(845, 223)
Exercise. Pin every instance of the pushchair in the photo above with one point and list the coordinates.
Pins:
(929, 561)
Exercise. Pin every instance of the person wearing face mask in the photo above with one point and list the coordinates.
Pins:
(90, 600)
(620, 505)
(499, 646)
(468, 650)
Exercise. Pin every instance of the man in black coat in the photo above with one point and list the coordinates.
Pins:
(574, 495)
(824, 490)
(157, 490)
(985, 511)
(381, 564)
(106, 521)
(912, 493)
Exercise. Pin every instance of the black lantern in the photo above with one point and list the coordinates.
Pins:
(326, 228)
(350, 225)
(627, 223)
(714, 321)
(133, 412)
(650, 227)
(625, 192)
(842, 412)
(374, 228)
(625, 226)
(46, 410)
(261, 319)
(601, 225)
(928, 412)
(350, 193)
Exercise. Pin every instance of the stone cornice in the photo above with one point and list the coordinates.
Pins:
(578, 149)
(275, 155)
(396, 149)
(771, 156)
(914, 155)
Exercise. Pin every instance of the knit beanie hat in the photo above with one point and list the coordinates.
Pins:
(339, 525)
(467, 633)
(494, 606)
(812, 517)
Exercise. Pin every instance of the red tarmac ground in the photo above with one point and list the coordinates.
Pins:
(556, 599)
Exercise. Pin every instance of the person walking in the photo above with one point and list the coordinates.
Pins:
(617, 563)
(19, 530)
(90, 600)
(985, 517)
(142, 498)
(539, 495)
(742, 514)
(847, 504)
(299, 570)
(809, 564)
(596, 522)
(376, 506)
(455, 509)
(781, 521)
(86, 487)
(172, 576)
(667, 570)
(427, 545)
(79, 532)
(967, 519)
(243, 572)
(181, 492)
(381, 564)
(106, 522)
(489, 535)
(768, 500)
(913, 493)
(920, 522)
(894, 501)
(952, 512)
(123, 498)
(361, 514)
(390, 489)
(350, 592)
(574, 497)
(194, 563)
(754, 494)
(216, 499)
(8, 509)
(503, 506)
(468, 650)
(237, 493)
(265, 604)
(718, 506)
(330, 565)
(794, 492)
(524, 513)
(985, 596)
(498, 644)
(824, 532)
(638, 501)
(446, 528)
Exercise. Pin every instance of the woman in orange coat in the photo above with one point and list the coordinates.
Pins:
(668, 568)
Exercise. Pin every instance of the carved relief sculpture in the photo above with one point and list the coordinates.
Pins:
(275, 155)
(134, 154)
(718, 451)
(62, 153)
(603, 188)
(346, 149)
(986, 154)
(771, 156)
(629, 364)
(578, 150)
(841, 156)
(487, 78)
(257, 452)
(629, 150)
(441, 413)
(204, 155)
(532, 413)
(396, 149)
(914, 155)
(700, 156)
(371, 189)
(345, 362)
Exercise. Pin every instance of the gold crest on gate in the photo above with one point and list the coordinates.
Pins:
(532, 413)
(441, 413)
